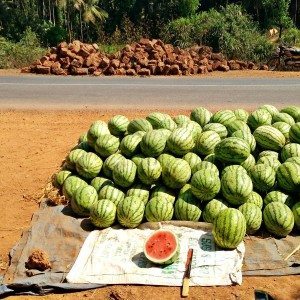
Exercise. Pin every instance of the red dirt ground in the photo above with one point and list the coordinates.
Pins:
(33, 144)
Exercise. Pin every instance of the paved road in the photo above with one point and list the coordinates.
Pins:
(157, 92)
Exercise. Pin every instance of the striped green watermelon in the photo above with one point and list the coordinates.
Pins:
(111, 193)
(206, 142)
(248, 163)
(212, 209)
(205, 185)
(232, 150)
(193, 160)
(165, 132)
(288, 176)
(258, 118)
(130, 212)
(284, 128)
(187, 207)
(295, 160)
(278, 196)
(176, 174)
(139, 190)
(103, 213)
(219, 128)
(169, 124)
(83, 138)
(73, 157)
(270, 109)
(268, 153)
(162, 191)
(71, 185)
(229, 228)
(139, 125)
(210, 158)
(283, 117)
(269, 161)
(124, 172)
(180, 141)
(263, 177)
(165, 159)
(278, 219)
(153, 143)
(110, 163)
(293, 111)
(256, 199)
(84, 198)
(117, 125)
(294, 133)
(61, 176)
(156, 119)
(107, 145)
(149, 170)
(246, 136)
(253, 217)
(296, 212)
(83, 146)
(206, 165)
(236, 187)
(241, 114)
(290, 150)
(89, 165)
(159, 209)
(99, 182)
(236, 125)
(201, 115)
(139, 133)
(130, 145)
(269, 138)
(194, 127)
(223, 116)
(137, 159)
(97, 129)
(233, 169)
(181, 119)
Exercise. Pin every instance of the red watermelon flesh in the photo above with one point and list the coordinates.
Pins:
(162, 247)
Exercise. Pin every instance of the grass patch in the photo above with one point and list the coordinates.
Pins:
(110, 48)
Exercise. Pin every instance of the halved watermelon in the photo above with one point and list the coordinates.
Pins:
(162, 247)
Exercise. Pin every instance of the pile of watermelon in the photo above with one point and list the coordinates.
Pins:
(237, 170)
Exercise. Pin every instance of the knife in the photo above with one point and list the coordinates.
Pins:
(187, 274)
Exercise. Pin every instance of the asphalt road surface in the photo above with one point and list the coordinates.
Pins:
(141, 93)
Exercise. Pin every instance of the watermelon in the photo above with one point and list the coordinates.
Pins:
(139, 190)
(107, 145)
(103, 213)
(247, 136)
(61, 176)
(248, 163)
(110, 162)
(111, 193)
(159, 209)
(233, 169)
(130, 212)
(83, 146)
(296, 212)
(176, 174)
(194, 128)
(236, 125)
(165, 132)
(73, 157)
(193, 160)
(253, 217)
(99, 182)
(206, 142)
(153, 143)
(117, 125)
(288, 176)
(130, 145)
(295, 160)
(223, 116)
(139, 125)
(181, 119)
(219, 128)
(137, 159)
(71, 185)
(169, 124)
(156, 119)
(139, 133)
(268, 153)
(210, 158)
(232, 150)
(278, 196)
(284, 128)
(124, 173)
(263, 177)
(162, 247)
(290, 150)
(83, 138)
(283, 117)
(293, 111)
(294, 133)
(201, 115)
(187, 207)
(241, 114)
(205, 185)
(229, 228)
(212, 209)
(258, 118)
(149, 170)
(84, 198)
(278, 219)
(269, 161)
(89, 165)
(180, 141)
(269, 138)
(206, 165)
(162, 191)
(256, 199)
(165, 159)
(97, 129)
(270, 109)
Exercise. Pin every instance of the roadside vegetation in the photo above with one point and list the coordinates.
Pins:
(247, 30)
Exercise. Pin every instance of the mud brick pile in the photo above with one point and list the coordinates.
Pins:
(292, 60)
(145, 58)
